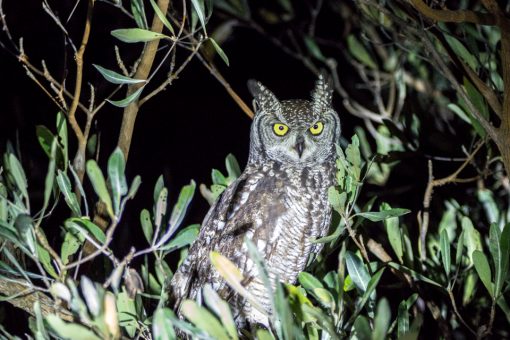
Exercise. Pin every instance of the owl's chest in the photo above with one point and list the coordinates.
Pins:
(294, 213)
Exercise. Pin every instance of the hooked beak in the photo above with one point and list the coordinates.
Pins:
(300, 145)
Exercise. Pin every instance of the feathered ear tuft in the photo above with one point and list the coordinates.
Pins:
(323, 92)
(265, 99)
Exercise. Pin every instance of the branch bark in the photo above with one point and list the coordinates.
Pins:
(79, 159)
(131, 111)
(24, 298)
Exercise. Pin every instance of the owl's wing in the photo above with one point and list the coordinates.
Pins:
(213, 230)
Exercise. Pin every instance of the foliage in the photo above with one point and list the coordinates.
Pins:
(389, 268)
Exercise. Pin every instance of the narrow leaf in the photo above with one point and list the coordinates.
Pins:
(376, 216)
(134, 35)
(179, 210)
(357, 271)
(128, 100)
(220, 52)
(69, 196)
(198, 5)
(162, 17)
(117, 178)
(97, 179)
(117, 78)
(203, 319)
(484, 270)
(445, 251)
(162, 328)
(19, 175)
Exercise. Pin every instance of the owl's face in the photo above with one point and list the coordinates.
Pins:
(297, 132)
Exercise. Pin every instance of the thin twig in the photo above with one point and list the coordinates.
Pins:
(427, 197)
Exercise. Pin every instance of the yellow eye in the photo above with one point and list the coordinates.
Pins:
(280, 129)
(316, 128)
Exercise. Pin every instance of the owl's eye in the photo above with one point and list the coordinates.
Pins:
(280, 129)
(317, 128)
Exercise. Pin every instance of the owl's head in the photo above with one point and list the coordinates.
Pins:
(297, 132)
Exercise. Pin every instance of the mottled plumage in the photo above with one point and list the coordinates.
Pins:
(279, 201)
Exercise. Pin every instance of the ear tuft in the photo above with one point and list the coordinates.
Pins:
(265, 99)
(323, 91)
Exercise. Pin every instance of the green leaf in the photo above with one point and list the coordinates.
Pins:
(220, 52)
(183, 238)
(337, 199)
(484, 270)
(69, 196)
(263, 334)
(492, 211)
(372, 284)
(459, 112)
(40, 332)
(145, 221)
(19, 175)
(218, 178)
(382, 320)
(162, 327)
(461, 51)
(160, 208)
(309, 282)
(135, 185)
(415, 275)
(221, 309)
(361, 329)
(313, 48)
(117, 78)
(62, 136)
(505, 252)
(495, 250)
(128, 100)
(135, 35)
(117, 178)
(45, 138)
(67, 330)
(472, 239)
(359, 52)
(477, 98)
(393, 232)
(138, 10)
(325, 298)
(97, 179)
(179, 210)
(233, 169)
(90, 295)
(460, 249)
(83, 224)
(24, 225)
(162, 16)
(445, 252)
(203, 319)
(357, 271)
(50, 177)
(469, 289)
(402, 319)
(127, 313)
(376, 216)
(198, 6)
(234, 277)
(45, 259)
(70, 246)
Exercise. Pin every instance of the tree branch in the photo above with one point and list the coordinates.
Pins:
(459, 16)
(131, 111)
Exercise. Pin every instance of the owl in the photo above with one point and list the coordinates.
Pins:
(279, 202)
